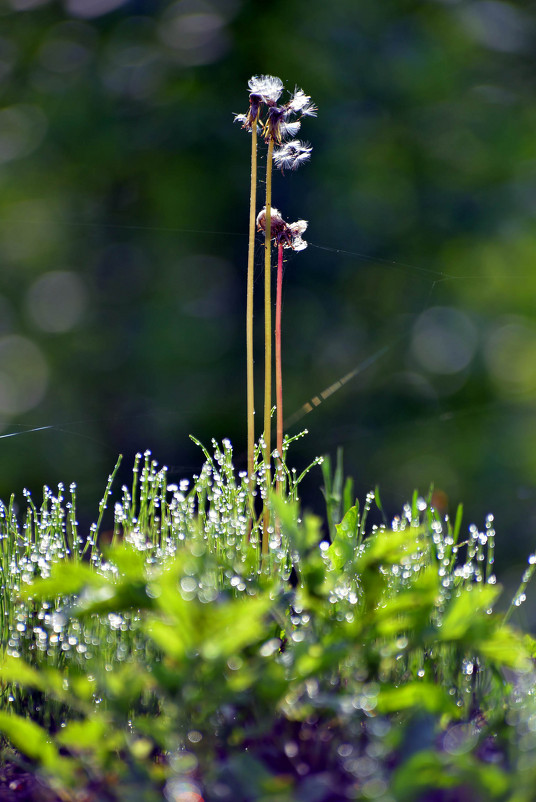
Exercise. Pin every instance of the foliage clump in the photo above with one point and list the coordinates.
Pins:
(368, 664)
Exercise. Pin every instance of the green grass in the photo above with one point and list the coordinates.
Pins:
(367, 665)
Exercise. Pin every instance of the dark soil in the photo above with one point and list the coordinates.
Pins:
(17, 784)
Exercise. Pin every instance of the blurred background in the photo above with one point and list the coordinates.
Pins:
(124, 192)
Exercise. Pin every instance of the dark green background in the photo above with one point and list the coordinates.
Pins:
(124, 191)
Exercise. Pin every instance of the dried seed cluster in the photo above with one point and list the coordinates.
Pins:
(281, 122)
(289, 235)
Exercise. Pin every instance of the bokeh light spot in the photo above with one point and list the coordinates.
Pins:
(497, 25)
(195, 30)
(29, 232)
(180, 790)
(8, 55)
(22, 127)
(424, 470)
(6, 316)
(460, 739)
(444, 340)
(68, 47)
(26, 5)
(56, 301)
(92, 8)
(510, 354)
(23, 375)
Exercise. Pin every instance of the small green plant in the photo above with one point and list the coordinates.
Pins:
(170, 661)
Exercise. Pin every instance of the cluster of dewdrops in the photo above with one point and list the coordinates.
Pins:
(211, 511)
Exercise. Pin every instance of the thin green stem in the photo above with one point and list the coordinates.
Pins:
(278, 370)
(267, 338)
(249, 305)
(91, 542)
(519, 596)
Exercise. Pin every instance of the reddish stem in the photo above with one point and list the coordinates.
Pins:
(278, 372)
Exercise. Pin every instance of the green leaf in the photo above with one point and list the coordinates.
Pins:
(230, 627)
(30, 739)
(128, 594)
(419, 598)
(80, 685)
(529, 643)
(465, 610)
(172, 640)
(16, 670)
(84, 735)
(168, 676)
(426, 769)
(126, 684)
(313, 576)
(457, 523)
(66, 578)
(349, 525)
(377, 498)
(317, 658)
(390, 548)
(216, 630)
(435, 770)
(340, 553)
(415, 695)
(505, 647)
(304, 536)
(160, 728)
(129, 561)
(242, 679)
(348, 497)
(342, 549)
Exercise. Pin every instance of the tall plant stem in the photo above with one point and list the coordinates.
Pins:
(267, 339)
(249, 304)
(278, 370)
